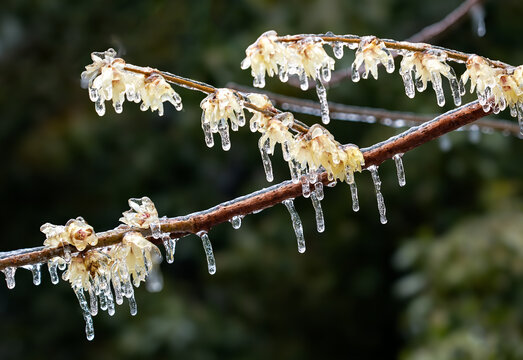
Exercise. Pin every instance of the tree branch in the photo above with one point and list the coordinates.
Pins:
(265, 198)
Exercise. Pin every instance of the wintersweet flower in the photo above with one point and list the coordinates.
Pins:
(76, 232)
(259, 120)
(143, 214)
(88, 271)
(312, 61)
(370, 53)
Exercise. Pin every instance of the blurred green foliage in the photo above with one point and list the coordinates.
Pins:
(61, 160)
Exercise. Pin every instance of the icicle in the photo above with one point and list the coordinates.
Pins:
(320, 221)
(454, 87)
(337, 48)
(133, 307)
(296, 224)
(409, 84)
(267, 166)
(170, 248)
(89, 328)
(99, 106)
(154, 281)
(93, 301)
(37, 274)
(283, 74)
(436, 85)
(379, 197)
(236, 222)
(295, 172)
(53, 265)
(444, 143)
(207, 246)
(223, 129)
(209, 140)
(156, 230)
(324, 105)
(355, 73)
(305, 187)
(9, 273)
(399, 169)
(110, 300)
(325, 73)
(477, 12)
(304, 82)
(354, 196)
(318, 188)
(117, 286)
(67, 254)
(234, 126)
(286, 151)
(520, 116)
(420, 85)
(349, 175)
(259, 80)
(241, 117)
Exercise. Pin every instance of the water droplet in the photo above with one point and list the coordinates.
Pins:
(296, 224)
(266, 160)
(236, 221)
(399, 169)
(207, 247)
(379, 197)
(9, 273)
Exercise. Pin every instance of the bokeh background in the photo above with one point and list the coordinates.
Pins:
(442, 280)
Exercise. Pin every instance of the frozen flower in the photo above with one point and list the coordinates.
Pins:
(277, 132)
(259, 120)
(88, 271)
(370, 53)
(107, 79)
(133, 257)
(75, 232)
(264, 56)
(429, 66)
(218, 107)
(311, 61)
(143, 214)
(484, 78)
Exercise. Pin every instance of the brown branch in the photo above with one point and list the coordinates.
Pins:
(265, 198)
(343, 112)
(425, 35)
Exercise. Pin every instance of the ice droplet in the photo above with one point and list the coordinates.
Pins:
(99, 106)
(223, 129)
(318, 188)
(438, 88)
(305, 187)
(454, 87)
(399, 169)
(207, 247)
(355, 73)
(409, 84)
(93, 94)
(304, 82)
(477, 12)
(170, 248)
(325, 73)
(295, 171)
(259, 80)
(324, 105)
(283, 74)
(354, 196)
(320, 221)
(117, 286)
(89, 327)
(37, 274)
(9, 273)
(236, 221)
(266, 160)
(379, 197)
(53, 265)
(209, 140)
(133, 307)
(337, 48)
(296, 224)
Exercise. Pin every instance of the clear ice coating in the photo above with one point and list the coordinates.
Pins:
(209, 140)
(296, 224)
(236, 221)
(53, 267)
(438, 88)
(316, 203)
(304, 81)
(170, 247)
(207, 247)
(266, 160)
(324, 105)
(318, 188)
(133, 307)
(379, 197)
(354, 196)
(409, 83)
(9, 273)
(305, 187)
(223, 130)
(399, 169)
(89, 327)
(455, 86)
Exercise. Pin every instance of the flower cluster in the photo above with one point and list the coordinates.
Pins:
(370, 53)
(87, 271)
(218, 107)
(75, 232)
(305, 58)
(496, 87)
(143, 214)
(430, 65)
(107, 79)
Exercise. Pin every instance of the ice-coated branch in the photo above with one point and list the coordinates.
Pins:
(259, 200)
(396, 119)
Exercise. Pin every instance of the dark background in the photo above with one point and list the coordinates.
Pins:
(441, 280)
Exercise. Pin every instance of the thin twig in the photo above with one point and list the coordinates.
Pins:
(369, 115)
(265, 198)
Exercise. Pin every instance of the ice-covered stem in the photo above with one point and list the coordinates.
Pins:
(370, 115)
(262, 199)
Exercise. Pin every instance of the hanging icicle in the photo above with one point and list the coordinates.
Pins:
(236, 222)
(354, 197)
(316, 203)
(9, 273)
(296, 224)
(207, 247)
(322, 97)
(379, 197)
(399, 169)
